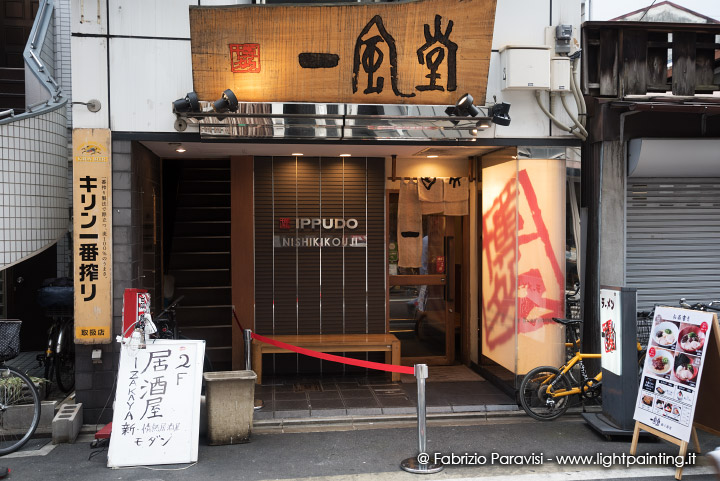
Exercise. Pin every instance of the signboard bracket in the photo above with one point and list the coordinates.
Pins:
(678, 442)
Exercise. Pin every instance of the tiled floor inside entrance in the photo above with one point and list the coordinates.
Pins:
(301, 397)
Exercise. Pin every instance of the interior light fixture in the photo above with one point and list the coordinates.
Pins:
(345, 155)
(296, 154)
(227, 102)
(500, 113)
(188, 104)
(432, 156)
(178, 147)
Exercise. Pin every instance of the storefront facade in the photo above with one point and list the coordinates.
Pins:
(650, 178)
(292, 210)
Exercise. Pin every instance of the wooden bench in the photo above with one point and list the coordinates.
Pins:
(387, 343)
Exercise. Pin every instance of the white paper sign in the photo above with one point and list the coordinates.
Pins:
(157, 404)
(673, 369)
(610, 332)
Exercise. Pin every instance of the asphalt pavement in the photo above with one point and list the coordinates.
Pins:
(507, 446)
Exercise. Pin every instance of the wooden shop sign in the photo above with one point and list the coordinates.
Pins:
(92, 235)
(422, 52)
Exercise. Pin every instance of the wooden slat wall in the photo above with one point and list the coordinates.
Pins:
(263, 247)
(333, 265)
(241, 253)
(376, 245)
(311, 290)
(285, 266)
(308, 204)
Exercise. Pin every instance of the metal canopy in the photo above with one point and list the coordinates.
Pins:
(332, 122)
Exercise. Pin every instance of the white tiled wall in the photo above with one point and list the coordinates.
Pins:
(33, 185)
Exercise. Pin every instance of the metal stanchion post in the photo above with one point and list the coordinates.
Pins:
(422, 463)
(247, 337)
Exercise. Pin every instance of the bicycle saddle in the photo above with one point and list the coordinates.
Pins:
(567, 322)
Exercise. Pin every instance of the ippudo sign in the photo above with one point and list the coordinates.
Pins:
(422, 52)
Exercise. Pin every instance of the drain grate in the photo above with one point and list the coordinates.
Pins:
(307, 386)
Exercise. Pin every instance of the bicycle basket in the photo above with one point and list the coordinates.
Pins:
(644, 326)
(9, 339)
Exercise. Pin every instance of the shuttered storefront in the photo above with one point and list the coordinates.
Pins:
(305, 283)
(673, 240)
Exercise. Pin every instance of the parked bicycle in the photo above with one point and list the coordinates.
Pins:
(700, 306)
(167, 328)
(545, 392)
(18, 394)
(165, 322)
(59, 355)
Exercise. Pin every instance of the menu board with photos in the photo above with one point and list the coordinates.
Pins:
(673, 369)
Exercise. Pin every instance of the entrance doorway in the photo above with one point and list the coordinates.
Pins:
(422, 301)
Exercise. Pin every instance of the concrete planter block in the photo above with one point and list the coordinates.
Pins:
(230, 399)
(67, 423)
(19, 416)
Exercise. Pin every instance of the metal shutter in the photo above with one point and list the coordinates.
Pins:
(673, 239)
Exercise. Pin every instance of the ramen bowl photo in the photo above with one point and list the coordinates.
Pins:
(691, 339)
(662, 362)
(665, 334)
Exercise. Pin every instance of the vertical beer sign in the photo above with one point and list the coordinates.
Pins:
(92, 235)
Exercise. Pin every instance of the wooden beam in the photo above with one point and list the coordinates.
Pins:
(634, 57)
(242, 252)
(608, 63)
(657, 57)
(683, 55)
(704, 64)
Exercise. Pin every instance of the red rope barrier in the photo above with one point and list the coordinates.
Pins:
(328, 357)
(331, 357)
(237, 320)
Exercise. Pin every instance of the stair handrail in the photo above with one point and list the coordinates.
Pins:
(56, 99)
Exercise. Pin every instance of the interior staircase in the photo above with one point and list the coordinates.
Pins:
(198, 241)
(12, 89)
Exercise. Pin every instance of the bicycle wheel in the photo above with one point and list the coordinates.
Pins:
(534, 398)
(19, 409)
(65, 360)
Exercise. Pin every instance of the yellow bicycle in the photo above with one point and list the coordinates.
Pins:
(545, 391)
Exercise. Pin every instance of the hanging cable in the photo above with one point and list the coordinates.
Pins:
(579, 98)
(554, 120)
(572, 116)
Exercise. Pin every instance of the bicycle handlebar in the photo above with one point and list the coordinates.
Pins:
(172, 305)
(700, 306)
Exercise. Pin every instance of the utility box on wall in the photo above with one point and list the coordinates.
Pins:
(525, 67)
(560, 74)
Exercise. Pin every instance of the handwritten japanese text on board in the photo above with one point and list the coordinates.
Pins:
(157, 404)
(424, 52)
